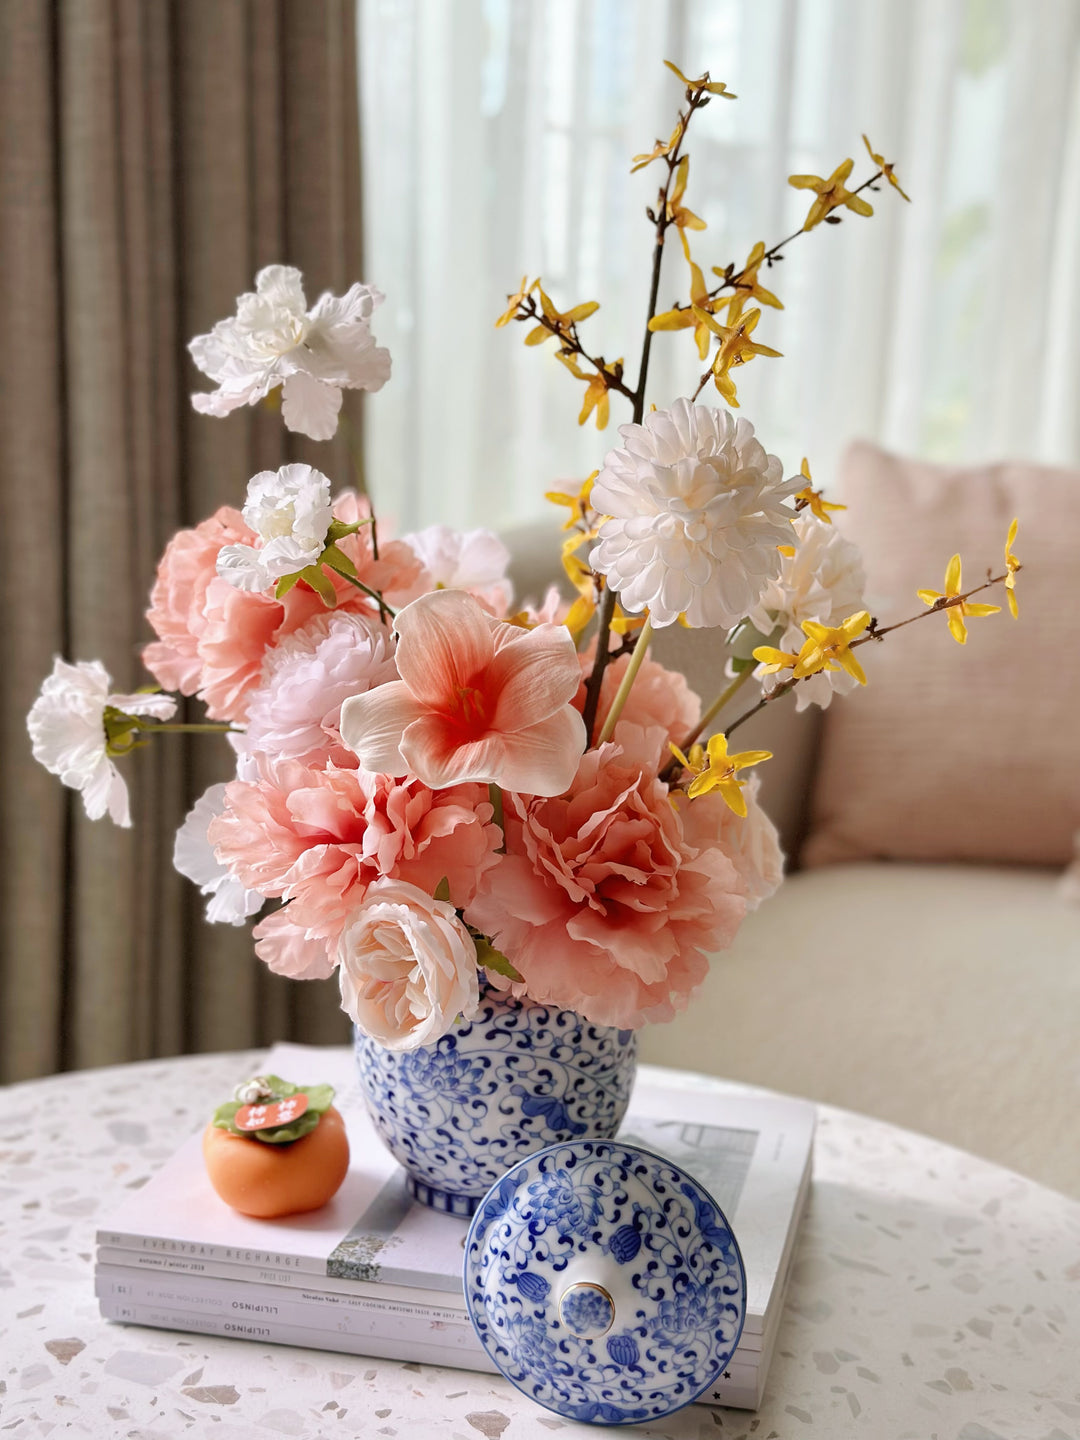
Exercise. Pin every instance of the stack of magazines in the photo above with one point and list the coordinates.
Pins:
(373, 1273)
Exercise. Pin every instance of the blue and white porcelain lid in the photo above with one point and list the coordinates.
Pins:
(604, 1282)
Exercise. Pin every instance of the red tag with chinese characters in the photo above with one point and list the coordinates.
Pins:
(264, 1117)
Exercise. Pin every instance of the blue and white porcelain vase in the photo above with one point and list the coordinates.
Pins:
(514, 1079)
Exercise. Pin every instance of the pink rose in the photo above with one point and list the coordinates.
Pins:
(658, 696)
(602, 902)
(319, 838)
(407, 967)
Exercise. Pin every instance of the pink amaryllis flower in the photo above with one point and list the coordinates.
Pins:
(478, 700)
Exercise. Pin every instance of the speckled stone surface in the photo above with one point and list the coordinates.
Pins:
(934, 1297)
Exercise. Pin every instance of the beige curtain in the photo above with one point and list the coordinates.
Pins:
(154, 156)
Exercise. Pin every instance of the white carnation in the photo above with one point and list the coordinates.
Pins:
(290, 511)
(273, 339)
(230, 903)
(472, 560)
(823, 580)
(67, 729)
(697, 512)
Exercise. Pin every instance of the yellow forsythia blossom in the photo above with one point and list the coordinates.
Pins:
(959, 609)
(1012, 564)
(885, 168)
(812, 498)
(718, 770)
(830, 194)
(828, 647)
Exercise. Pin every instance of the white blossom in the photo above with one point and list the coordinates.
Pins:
(472, 560)
(290, 511)
(273, 339)
(230, 903)
(67, 729)
(696, 511)
(824, 581)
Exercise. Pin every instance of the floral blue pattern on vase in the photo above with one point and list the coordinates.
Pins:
(604, 1282)
(514, 1079)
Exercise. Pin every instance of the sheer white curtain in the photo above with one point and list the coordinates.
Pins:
(497, 141)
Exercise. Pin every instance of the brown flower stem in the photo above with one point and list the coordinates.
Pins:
(945, 603)
(529, 310)
(873, 633)
(637, 395)
(596, 674)
(734, 282)
(765, 700)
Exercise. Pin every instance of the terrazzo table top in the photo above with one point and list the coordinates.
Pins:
(934, 1297)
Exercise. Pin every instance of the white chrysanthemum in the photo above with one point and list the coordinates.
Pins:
(824, 580)
(697, 513)
(273, 339)
(67, 728)
(472, 560)
(230, 903)
(296, 710)
(290, 511)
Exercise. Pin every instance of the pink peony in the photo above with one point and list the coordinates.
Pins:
(214, 637)
(658, 696)
(296, 710)
(407, 967)
(188, 566)
(751, 843)
(319, 838)
(284, 947)
(477, 700)
(602, 902)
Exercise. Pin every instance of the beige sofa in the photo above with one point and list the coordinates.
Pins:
(941, 997)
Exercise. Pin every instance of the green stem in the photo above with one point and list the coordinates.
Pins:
(191, 729)
(384, 609)
(718, 704)
(495, 795)
(727, 694)
(627, 682)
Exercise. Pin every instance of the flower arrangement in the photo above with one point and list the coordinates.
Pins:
(434, 785)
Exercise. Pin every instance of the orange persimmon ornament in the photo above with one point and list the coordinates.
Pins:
(276, 1148)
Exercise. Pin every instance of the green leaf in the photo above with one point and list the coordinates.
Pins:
(337, 560)
(285, 584)
(320, 1098)
(442, 890)
(339, 529)
(491, 959)
(321, 584)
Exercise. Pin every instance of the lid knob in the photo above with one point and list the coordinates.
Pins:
(587, 1310)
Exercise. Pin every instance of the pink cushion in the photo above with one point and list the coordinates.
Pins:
(957, 752)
